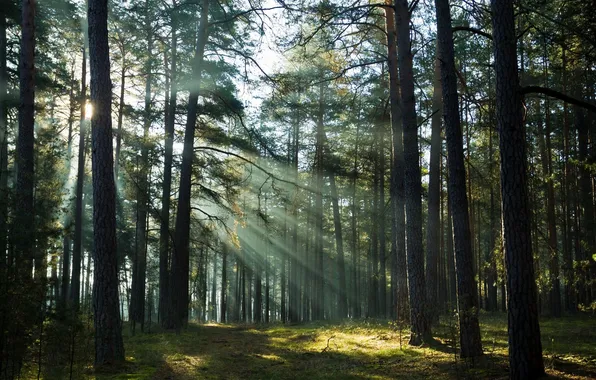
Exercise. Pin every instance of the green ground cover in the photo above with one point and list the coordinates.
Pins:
(349, 350)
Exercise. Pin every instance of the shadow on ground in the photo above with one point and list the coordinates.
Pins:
(351, 350)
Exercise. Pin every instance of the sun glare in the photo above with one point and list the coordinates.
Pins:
(88, 111)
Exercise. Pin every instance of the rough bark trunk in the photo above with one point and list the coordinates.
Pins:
(140, 268)
(399, 286)
(420, 330)
(180, 256)
(467, 296)
(24, 208)
(525, 347)
(109, 348)
(319, 287)
(164, 228)
(434, 199)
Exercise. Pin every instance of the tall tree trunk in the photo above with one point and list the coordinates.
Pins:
(525, 347)
(585, 206)
(4, 263)
(213, 302)
(3, 146)
(258, 297)
(433, 240)
(75, 293)
(373, 252)
(568, 273)
(420, 329)
(108, 336)
(120, 116)
(224, 284)
(140, 268)
(467, 296)
(319, 282)
(294, 296)
(382, 273)
(355, 301)
(339, 244)
(399, 286)
(24, 221)
(492, 270)
(553, 259)
(24, 208)
(180, 257)
(164, 227)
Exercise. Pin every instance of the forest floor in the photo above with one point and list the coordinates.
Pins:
(364, 349)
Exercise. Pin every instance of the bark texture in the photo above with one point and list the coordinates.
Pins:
(467, 300)
(180, 258)
(108, 336)
(525, 347)
(420, 329)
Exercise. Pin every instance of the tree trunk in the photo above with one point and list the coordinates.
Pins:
(399, 287)
(180, 257)
(319, 285)
(525, 347)
(339, 244)
(587, 232)
(467, 296)
(75, 293)
(142, 186)
(24, 208)
(164, 228)
(108, 337)
(553, 259)
(433, 240)
(382, 272)
(420, 330)
(224, 284)
(355, 301)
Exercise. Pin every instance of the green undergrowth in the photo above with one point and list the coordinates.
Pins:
(364, 349)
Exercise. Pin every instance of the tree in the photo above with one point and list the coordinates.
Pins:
(420, 329)
(525, 347)
(78, 237)
(109, 347)
(467, 299)
(180, 257)
(398, 237)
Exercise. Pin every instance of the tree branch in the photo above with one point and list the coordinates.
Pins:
(558, 95)
(472, 30)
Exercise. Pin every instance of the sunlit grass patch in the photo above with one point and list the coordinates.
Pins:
(370, 349)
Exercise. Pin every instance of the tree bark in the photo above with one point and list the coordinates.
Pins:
(108, 336)
(24, 207)
(140, 268)
(339, 245)
(319, 284)
(75, 293)
(180, 257)
(467, 296)
(399, 287)
(164, 227)
(552, 255)
(420, 329)
(434, 199)
(525, 347)
(224, 283)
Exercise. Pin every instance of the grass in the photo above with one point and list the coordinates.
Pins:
(349, 350)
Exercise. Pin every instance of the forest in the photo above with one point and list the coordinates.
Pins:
(291, 189)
